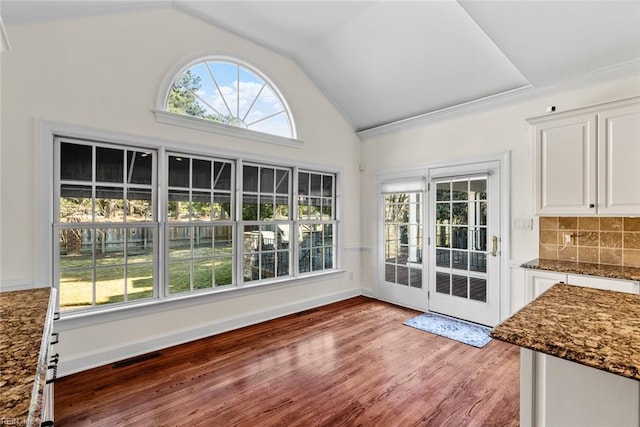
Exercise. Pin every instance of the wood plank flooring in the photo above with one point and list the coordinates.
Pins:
(351, 363)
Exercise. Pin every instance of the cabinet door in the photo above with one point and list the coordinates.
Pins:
(539, 281)
(619, 161)
(627, 286)
(565, 167)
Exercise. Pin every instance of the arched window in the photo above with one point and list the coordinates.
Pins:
(227, 92)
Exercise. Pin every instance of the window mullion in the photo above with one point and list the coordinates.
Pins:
(160, 179)
(295, 222)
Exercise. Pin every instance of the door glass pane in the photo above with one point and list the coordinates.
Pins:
(415, 278)
(443, 283)
(459, 190)
(478, 289)
(443, 191)
(461, 225)
(459, 286)
(459, 213)
(403, 239)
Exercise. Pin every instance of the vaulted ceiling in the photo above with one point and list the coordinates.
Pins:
(387, 62)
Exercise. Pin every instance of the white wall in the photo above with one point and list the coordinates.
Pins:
(104, 73)
(492, 131)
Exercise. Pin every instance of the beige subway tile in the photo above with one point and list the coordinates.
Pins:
(548, 236)
(568, 223)
(588, 238)
(568, 253)
(548, 223)
(631, 240)
(611, 256)
(586, 254)
(611, 239)
(548, 251)
(589, 223)
(631, 224)
(631, 257)
(610, 223)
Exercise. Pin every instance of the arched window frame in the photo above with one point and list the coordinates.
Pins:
(167, 117)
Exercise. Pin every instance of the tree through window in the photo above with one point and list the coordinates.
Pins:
(229, 93)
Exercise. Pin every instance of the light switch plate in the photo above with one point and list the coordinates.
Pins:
(523, 223)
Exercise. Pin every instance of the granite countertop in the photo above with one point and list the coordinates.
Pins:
(594, 327)
(24, 324)
(588, 269)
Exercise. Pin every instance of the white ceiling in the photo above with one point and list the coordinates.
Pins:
(382, 62)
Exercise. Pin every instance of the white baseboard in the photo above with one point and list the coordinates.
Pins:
(368, 293)
(17, 285)
(102, 357)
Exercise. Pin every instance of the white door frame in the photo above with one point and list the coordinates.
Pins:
(423, 170)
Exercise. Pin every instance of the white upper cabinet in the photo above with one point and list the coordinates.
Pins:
(619, 161)
(587, 161)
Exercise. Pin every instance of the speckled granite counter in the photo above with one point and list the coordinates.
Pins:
(588, 269)
(25, 330)
(596, 328)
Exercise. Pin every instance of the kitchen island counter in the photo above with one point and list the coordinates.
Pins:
(580, 357)
(25, 331)
(594, 327)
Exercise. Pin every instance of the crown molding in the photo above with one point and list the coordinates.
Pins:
(511, 97)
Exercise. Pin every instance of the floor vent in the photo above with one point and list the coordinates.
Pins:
(136, 359)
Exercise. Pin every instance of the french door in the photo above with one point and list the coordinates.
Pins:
(464, 232)
(402, 245)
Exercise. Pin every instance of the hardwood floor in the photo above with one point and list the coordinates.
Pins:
(348, 363)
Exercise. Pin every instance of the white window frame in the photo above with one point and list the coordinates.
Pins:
(166, 117)
(45, 134)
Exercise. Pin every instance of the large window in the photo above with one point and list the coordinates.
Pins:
(106, 227)
(200, 224)
(136, 224)
(266, 203)
(316, 221)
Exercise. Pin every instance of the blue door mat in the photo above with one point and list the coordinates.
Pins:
(458, 330)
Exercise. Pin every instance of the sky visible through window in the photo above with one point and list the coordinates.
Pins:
(231, 94)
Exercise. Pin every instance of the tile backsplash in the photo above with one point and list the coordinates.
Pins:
(604, 240)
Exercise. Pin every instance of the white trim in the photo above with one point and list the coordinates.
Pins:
(213, 127)
(18, 285)
(102, 357)
(503, 99)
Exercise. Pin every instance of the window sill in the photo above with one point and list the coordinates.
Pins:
(209, 126)
(78, 320)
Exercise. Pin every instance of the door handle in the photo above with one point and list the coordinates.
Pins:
(494, 245)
